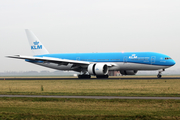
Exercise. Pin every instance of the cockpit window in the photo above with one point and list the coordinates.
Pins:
(167, 58)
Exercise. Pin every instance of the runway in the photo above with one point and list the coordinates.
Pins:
(75, 78)
(92, 97)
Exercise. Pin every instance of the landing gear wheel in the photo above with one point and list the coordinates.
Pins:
(84, 76)
(102, 76)
(160, 72)
(159, 76)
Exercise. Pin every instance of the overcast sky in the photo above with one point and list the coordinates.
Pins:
(76, 26)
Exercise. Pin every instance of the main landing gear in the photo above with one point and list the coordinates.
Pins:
(102, 76)
(89, 76)
(84, 76)
(159, 73)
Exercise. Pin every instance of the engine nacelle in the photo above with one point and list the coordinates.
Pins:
(128, 72)
(98, 69)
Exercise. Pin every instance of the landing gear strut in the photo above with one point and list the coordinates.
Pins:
(159, 73)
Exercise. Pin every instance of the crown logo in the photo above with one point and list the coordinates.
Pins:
(36, 43)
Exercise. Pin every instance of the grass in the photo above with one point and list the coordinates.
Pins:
(90, 109)
(50, 108)
(135, 87)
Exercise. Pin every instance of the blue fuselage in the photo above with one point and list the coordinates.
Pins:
(149, 58)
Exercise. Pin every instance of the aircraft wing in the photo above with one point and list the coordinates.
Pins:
(57, 60)
(50, 59)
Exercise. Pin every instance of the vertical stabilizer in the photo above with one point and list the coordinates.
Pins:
(36, 46)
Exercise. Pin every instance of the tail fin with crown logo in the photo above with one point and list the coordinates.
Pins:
(36, 46)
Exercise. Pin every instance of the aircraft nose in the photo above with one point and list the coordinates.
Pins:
(172, 62)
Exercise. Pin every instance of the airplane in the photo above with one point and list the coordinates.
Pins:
(96, 64)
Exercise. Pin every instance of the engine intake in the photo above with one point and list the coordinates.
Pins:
(98, 69)
(128, 72)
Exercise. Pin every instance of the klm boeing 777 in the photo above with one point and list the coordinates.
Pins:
(96, 64)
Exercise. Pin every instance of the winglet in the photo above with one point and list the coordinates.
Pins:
(36, 46)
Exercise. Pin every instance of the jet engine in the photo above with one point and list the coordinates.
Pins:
(98, 69)
(128, 72)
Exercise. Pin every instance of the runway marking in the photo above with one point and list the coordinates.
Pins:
(92, 97)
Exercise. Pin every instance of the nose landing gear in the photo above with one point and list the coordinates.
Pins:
(159, 73)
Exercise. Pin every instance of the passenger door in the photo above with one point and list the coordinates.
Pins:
(153, 59)
(125, 59)
(78, 58)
